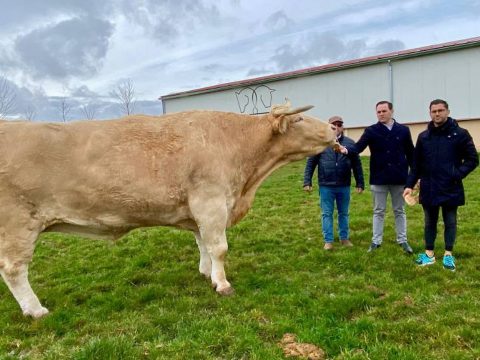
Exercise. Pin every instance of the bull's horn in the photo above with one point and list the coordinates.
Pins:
(298, 110)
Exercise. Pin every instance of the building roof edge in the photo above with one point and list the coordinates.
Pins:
(391, 56)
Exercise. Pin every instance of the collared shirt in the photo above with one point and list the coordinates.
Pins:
(389, 126)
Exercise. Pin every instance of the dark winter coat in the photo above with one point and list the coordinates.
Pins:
(335, 169)
(391, 153)
(444, 155)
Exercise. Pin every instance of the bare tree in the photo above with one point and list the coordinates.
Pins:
(125, 94)
(65, 108)
(7, 98)
(89, 111)
(30, 113)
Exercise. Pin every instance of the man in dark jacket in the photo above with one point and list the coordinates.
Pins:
(444, 155)
(391, 153)
(334, 179)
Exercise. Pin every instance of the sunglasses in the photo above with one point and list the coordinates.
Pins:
(337, 124)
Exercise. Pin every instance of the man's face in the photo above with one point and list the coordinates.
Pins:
(439, 114)
(384, 114)
(338, 127)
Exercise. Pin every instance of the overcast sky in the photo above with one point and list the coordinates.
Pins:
(81, 50)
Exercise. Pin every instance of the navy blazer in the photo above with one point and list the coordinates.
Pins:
(391, 153)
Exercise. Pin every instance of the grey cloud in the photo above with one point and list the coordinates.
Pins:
(259, 72)
(71, 48)
(317, 49)
(388, 46)
(29, 11)
(278, 21)
(165, 20)
(212, 68)
(84, 92)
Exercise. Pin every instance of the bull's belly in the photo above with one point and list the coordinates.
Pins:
(92, 232)
(114, 226)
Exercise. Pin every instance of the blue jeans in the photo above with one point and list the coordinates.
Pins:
(328, 196)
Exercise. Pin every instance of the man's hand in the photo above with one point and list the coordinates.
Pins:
(340, 149)
(410, 199)
(307, 188)
(407, 191)
(359, 190)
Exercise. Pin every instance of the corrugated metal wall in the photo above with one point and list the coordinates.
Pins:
(352, 93)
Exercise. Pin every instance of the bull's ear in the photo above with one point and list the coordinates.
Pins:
(280, 124)
(281, 119)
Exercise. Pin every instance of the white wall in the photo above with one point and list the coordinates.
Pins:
(453, 76)
(353, 92)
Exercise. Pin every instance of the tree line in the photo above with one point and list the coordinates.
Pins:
(124, 94)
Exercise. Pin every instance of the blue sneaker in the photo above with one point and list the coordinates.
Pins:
(424, 260)
(449, 262)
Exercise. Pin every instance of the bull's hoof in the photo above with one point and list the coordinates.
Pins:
(36, 314)
(227, 291)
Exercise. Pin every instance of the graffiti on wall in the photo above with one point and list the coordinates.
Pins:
(254, 100)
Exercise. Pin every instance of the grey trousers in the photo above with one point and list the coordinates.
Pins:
(380, 193)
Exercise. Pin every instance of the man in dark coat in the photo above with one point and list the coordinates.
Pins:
(444, 155)
(334, 179)
(391, 154)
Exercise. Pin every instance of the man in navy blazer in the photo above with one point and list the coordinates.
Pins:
(391, 155)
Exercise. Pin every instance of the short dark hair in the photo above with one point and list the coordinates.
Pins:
(438, 102)
(390, 105)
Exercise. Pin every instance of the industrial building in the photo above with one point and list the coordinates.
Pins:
(410, 79)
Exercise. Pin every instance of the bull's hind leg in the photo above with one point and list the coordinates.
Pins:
(211, 217)
(205, 265)
(16, 250)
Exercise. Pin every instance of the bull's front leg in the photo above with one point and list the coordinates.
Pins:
(17, 242)
(17, 282)
(211, 217)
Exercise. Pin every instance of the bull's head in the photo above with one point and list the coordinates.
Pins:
(282, 120)
(304, 134)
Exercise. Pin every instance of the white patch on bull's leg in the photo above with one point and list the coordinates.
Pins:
(218, 253)
(16, 251)
(17, 281)
(205, 265)
(210, 213)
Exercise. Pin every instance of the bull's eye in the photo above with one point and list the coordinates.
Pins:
(298, 119)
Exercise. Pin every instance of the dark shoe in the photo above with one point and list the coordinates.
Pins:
(373, 247)
(408, 250)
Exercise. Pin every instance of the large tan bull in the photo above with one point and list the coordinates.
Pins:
(195, 170)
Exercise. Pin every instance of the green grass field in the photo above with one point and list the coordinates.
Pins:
(143, 298)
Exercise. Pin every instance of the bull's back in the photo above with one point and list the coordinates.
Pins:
(135, 167)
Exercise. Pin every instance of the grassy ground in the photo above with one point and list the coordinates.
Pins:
(142, 296)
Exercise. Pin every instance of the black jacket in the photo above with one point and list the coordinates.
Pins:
(444, 155)
(335, 169)
(391, 153)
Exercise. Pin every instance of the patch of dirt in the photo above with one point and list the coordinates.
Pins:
(303, 350)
